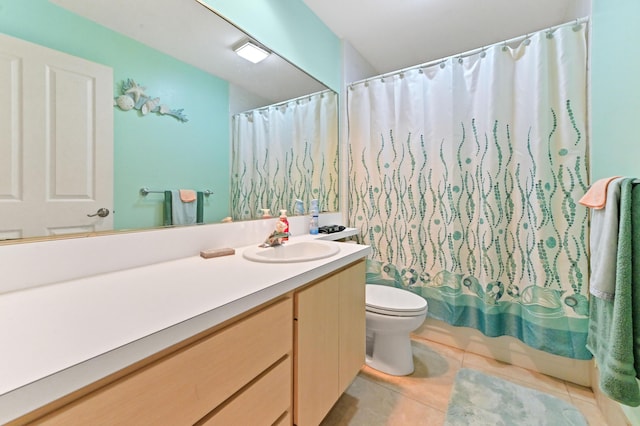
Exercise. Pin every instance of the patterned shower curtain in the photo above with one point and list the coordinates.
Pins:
(464, 179)
(285, 152)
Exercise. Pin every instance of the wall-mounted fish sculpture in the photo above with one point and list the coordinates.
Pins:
(134, 97)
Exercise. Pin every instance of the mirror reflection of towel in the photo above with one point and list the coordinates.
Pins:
(168, 208)
(182, 213)
(187, 195)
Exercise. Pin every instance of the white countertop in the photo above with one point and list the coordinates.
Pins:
(58, 338)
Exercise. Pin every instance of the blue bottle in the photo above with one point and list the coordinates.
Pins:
(313, 224)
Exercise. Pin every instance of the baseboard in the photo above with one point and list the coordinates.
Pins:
(507, 349)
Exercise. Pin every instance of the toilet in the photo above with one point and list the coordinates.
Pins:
(392, 314)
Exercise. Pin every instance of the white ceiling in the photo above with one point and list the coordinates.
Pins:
(390, 35)
(395, 34)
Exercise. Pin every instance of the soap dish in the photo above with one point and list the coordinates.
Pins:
(207, 254)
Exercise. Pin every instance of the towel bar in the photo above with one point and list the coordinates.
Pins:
(144, 191)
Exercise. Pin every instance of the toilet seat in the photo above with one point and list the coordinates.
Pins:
(392, 301)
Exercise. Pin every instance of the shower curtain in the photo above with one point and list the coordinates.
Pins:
(285, 152)
(464, 179)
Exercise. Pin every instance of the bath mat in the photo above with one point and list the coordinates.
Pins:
(478, 399)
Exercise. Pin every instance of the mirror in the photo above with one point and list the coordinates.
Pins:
(181, 53)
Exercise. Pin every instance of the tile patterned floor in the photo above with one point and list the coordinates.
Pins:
(375, 398)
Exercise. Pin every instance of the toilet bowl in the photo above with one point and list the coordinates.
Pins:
(392, 314)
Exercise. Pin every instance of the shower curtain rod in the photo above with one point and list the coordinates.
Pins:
(468, 53)
(285, 102)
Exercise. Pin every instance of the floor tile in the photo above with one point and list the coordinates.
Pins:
(375, 398)
(431, 382)
(581, 393)
(591, 413)
(367, 403)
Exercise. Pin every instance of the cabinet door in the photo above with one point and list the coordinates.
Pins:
(316, 381)
(352, 323)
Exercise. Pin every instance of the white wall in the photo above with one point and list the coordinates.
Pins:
(241, 100)
(354, 66)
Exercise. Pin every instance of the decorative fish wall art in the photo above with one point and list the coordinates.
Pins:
(134, 97)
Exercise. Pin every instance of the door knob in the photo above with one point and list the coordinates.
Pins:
(102, 212)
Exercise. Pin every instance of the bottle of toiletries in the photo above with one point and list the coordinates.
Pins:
(298, 207)
(313, 224)
(285, 221)
(265, 213)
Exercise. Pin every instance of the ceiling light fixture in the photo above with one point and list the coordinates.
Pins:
(250, 51)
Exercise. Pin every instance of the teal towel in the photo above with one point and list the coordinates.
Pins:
(635, 281)
(199, 207)
(614, 326)
(167, 208)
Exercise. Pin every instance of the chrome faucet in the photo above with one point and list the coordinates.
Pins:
(274, 239)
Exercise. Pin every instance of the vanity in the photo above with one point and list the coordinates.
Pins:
(187, 341)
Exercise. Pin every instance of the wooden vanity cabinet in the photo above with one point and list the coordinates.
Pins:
(284, 363)
(329, 346)
(243, 371)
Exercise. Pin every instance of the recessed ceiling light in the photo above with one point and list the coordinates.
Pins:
(251, 51)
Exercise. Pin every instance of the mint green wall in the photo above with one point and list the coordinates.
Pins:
(615, 97)
(615, 88)
(292, 30)
(159, 152)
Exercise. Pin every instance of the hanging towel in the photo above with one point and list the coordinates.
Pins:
(596, 196)
(187, 195)
(614, 326)
(199, 207)
(635, 276)
(174, 199)
(603, 243)
(182, 213)
(166, 209)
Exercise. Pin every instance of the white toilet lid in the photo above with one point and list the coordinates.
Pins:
(387, 300)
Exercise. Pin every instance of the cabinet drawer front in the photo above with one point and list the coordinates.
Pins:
(285, 420)
(262, 403)
(186, 385)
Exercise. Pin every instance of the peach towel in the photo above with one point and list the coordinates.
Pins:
(596, 196)
(187, 195)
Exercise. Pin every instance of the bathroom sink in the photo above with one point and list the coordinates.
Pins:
(292, 252)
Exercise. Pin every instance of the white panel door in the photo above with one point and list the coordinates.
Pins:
(56, 142)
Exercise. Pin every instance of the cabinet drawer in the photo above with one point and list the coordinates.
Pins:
(186, 385)
(285, 420)
(262, 403)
